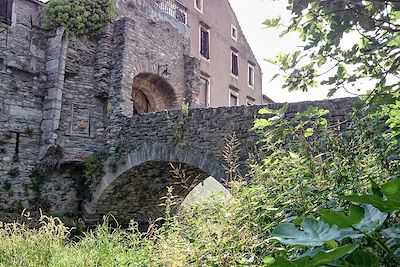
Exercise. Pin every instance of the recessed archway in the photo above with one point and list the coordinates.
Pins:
(137, 193)
(133, 191)
(152, 93)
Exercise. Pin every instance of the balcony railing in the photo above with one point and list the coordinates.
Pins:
(174, 9)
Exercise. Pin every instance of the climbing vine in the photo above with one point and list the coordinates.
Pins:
(79, 17)
(37, 177)
(92, 173)
(180, 123)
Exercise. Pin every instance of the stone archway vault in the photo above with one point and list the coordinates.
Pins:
(135, 189)
(151, 93)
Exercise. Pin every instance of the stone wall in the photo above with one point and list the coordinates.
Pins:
(153, 43)
(22, 81)
(63, 94)
(138, 170)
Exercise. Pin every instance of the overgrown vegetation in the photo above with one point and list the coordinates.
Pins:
(93, 171)
(38, 179)
(179, 126)
(79, 17)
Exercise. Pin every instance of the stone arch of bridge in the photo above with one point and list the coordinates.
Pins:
(151, 93)
(135, 189)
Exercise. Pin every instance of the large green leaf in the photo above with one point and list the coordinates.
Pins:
(390, 190)
(392, 236)
(313, 233)
(321, 258)
(373, 219)
(361, 258)
(356, 214)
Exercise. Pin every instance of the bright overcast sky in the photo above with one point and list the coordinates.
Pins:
(266, 43)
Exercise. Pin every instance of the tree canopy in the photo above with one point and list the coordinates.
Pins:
(326, 28)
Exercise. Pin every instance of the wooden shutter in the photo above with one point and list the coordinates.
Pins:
(204, 43)
(6, 11)
(235, 65)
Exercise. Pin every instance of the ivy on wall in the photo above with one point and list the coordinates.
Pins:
(79, 17)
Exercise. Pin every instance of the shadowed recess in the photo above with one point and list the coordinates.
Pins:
(151, 93)
(136, 194)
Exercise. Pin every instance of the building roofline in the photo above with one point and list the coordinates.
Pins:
(36, 2)
(267, 98)
(244, 36)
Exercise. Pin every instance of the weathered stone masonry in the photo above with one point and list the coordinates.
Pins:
(148, 143)
(69, 93)
(79, 96)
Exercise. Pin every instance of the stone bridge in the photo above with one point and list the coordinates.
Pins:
(139, 171)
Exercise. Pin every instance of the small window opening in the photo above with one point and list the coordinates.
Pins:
(198, 4)
(251, 76)
(204, 43)
(235, 64)
(234, 33)
(233, 98)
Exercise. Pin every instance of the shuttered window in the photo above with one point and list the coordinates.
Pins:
(235, 64)
(6, 11)
(205, 43)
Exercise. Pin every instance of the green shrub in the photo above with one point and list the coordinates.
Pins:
(79, 17)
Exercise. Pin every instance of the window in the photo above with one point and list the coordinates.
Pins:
(233, 98)
(250, 101)
(205, 43)
(204, 96)
(234, 64)
(233, 32)
(251, 76)
(6, 11)
(198, 4)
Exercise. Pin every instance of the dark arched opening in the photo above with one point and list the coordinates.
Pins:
(151, 93)
(137, 193)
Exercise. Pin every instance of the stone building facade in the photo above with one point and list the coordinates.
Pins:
(60, 96)
(230, 73)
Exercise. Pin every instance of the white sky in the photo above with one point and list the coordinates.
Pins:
(266, 43)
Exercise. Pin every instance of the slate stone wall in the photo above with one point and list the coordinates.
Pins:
(22, 80)
(71, 93)
(146, 144)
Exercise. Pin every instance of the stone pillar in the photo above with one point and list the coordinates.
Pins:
(55, 69)
(104, 66)
(192, 80)
(120, 82)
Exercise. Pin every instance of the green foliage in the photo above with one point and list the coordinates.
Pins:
(79, 17)
(14, 172)
(7, 185)
(332, 217)
(93, 172)
(388, 200)
(29, 131)
(15, 158)
(314, 233)
(179, 134)
(321, 258)
(118, 157)
(38, 179)
(367, 227)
